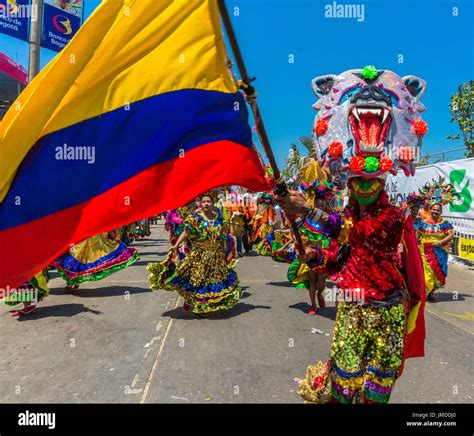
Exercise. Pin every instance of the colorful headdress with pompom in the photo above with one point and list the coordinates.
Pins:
(439, 192)
(314, 181)
(368, 122)
(414, 199)
(320, 189)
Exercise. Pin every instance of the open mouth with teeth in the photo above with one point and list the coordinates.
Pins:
(370, 125)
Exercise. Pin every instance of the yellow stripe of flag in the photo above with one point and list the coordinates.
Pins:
(127, 51)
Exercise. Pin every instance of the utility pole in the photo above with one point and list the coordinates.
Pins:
(36, 21)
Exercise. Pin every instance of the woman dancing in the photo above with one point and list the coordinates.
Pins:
(205, 278)
(435, 235)
(94, 259)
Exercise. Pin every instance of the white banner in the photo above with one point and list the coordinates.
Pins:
(459, 172)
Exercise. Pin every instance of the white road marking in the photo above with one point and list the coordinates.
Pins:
(157, 359)
(179, 398)
(135, 380)
(133, 391)
(155, 338)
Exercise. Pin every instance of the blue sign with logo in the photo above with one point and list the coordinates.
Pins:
(59, 27)
(15, 18)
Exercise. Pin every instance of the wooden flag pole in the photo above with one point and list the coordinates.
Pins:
(249, 90)
(251, 98)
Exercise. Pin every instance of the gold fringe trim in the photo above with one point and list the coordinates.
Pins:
(321, 393)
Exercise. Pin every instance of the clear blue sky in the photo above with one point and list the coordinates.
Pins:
(436, 46)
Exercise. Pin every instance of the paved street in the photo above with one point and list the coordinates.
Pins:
(119, 342)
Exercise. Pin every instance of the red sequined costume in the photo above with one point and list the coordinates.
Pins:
(374, 263)
(368, 346)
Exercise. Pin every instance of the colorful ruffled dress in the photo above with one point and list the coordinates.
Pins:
(94, 259)
(127, 233)
(435, 259)
(278, 245)
(205, 278)
(320, 237)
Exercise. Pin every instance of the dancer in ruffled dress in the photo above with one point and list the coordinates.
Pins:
(94, 259)
(205, 278)
(435, 235)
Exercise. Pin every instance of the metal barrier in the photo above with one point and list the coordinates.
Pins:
(463, 228)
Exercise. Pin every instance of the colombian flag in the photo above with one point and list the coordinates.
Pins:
(138, 114)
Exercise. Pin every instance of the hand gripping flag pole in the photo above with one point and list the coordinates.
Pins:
(250, 93)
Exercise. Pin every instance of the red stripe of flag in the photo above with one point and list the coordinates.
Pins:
(164, 186)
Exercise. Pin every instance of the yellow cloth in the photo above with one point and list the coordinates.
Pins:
(431, 282)
(92, 249)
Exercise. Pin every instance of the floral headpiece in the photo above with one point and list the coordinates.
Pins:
(414, 199)
(320, 189)
(439, 192)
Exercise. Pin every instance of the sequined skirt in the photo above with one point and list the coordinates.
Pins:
(94, 259)
(366, 354)
(202, 278)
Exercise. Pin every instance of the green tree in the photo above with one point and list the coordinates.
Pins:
(462, 105)
(308, 143)
(296, 160)
(292, 162)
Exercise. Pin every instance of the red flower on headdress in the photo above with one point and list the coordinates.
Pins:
(420, 127)
(386, 164)
(321, 127)
(357, 164)
(335, 149)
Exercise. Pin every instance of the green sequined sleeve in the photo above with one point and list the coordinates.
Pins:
(190, 224)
